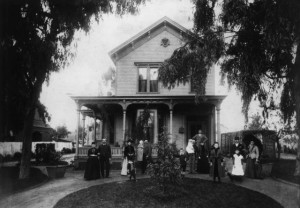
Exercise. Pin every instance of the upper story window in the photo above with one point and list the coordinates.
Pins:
(148, 79)
(143, 79)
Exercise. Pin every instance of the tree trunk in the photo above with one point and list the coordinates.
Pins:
(28, 126)
(2, 95)
(27, 143)
(297, 94)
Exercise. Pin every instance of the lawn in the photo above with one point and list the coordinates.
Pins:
(196, 193)
(9, 182)
(284, 169)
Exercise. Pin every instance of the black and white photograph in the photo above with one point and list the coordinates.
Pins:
(149, 103)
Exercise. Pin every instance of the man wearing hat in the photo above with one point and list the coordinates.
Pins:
(129, 153)
(105, 158)
(237, 145)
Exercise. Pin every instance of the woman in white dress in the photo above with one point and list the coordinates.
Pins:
(140, 151)
(237, 170)
(124, 163)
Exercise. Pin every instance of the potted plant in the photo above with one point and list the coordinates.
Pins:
(56, 168)
(52, 161)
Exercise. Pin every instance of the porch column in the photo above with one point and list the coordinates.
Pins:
(124, 123)
(171, 120)
(78, 127)
(95, 125)
(83, 128)
(218, 108)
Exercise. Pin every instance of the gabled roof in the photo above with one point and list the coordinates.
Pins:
(147, 33)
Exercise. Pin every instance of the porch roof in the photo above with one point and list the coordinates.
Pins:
(124, 101)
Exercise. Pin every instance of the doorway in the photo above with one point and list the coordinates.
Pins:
(194, 124)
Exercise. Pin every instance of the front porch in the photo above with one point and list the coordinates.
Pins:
(115, 118)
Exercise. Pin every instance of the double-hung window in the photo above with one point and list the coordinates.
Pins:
(148, 79)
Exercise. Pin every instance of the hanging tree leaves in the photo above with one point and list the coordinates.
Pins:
(37, 38)
(257, 44)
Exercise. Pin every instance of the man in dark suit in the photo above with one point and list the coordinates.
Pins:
(237, 145)
(105, 158)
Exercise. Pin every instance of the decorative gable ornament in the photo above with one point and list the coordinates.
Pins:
(165, 42)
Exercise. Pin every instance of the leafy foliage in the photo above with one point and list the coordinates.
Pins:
(37, 38)
(62, 131)
(109, 79)
(165, 171)
(192, 62)
(46, 155)
(258, 43)
(256, 123)
(141, 131)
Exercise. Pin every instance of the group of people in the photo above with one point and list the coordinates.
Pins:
(198, 155)
(205, 159)
(144, 152)
(98, 162)
(211, 160)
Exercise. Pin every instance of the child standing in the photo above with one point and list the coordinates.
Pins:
(183, 159)
(237, 170)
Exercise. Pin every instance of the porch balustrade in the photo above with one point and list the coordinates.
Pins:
(117, 152)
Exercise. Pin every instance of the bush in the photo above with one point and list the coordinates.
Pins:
(289, 150)
(165, 171)
(45, 153)
(66, 151)
(17, 156)
(7, 158)
(1, 158)
(33, 155)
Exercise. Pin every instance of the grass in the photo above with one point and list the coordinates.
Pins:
(9, 182)
(197, 193)
(284, 169)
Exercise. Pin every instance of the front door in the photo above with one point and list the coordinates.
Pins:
(194, 124)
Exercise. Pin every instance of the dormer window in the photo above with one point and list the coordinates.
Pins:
(148, 79)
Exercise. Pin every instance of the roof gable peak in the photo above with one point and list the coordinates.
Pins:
(164, 22)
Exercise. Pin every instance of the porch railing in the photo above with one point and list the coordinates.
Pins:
(117, 152)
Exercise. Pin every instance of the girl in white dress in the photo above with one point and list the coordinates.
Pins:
(237, 170)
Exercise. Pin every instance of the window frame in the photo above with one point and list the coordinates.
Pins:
(149, 66)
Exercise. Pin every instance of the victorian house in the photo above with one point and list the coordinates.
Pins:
(137, 62)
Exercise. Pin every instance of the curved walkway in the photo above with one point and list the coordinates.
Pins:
(47, 195)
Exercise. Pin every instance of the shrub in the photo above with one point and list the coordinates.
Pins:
(33, 155)
(17, 156)
(46, 153)
(165, 171)
(66, 151)
(7, 158)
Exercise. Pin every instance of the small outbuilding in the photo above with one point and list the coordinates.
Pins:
(264, 139)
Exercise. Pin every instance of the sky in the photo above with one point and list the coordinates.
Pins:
(83, 75)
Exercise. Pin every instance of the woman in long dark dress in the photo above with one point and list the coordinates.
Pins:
(216, 163)
(202, 163)
(92, 168)
(252, 160)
